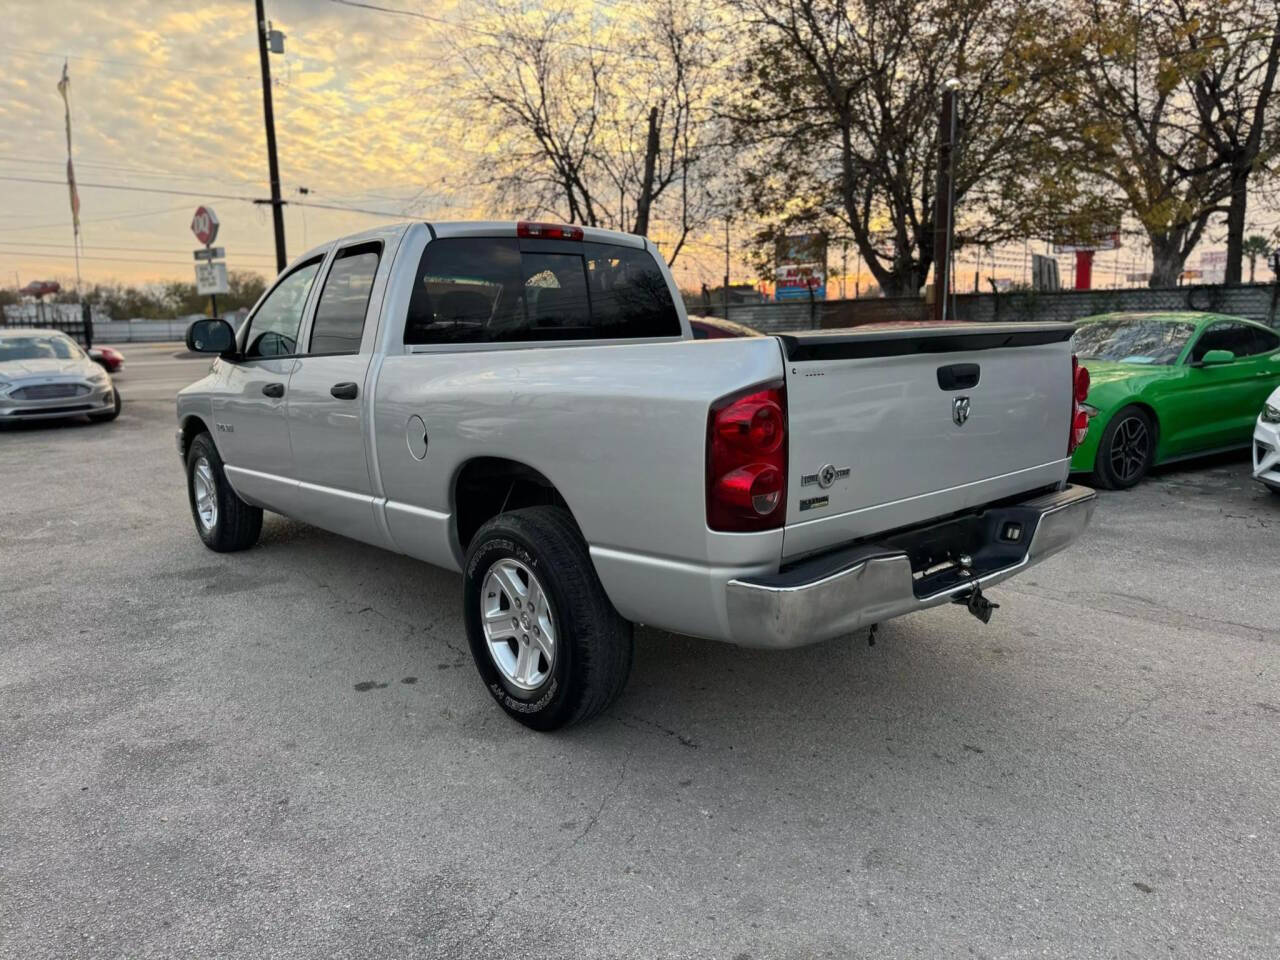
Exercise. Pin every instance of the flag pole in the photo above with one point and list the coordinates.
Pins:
(64, 88)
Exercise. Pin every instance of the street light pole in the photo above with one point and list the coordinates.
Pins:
(268, 113)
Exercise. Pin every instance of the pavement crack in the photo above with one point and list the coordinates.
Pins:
(684, 739)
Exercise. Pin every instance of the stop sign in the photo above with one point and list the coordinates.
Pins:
(205, 225)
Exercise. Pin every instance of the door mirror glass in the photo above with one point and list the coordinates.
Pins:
(1215, 357)
(210, 336)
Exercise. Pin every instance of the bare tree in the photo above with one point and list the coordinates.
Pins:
(595, 121)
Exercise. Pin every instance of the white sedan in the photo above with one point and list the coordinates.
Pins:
(1266, 444)
(45, 375)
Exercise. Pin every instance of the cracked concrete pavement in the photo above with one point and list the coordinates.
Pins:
(287, 752)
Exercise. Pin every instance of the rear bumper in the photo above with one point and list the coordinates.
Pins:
(856, 587)
(1266, 453)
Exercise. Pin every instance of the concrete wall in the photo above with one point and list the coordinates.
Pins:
(1254, 301)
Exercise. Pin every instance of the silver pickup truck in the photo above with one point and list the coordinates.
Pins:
(525, 403)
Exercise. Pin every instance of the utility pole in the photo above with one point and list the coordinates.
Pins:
(268, 113)
(726, 267)
(944, 219)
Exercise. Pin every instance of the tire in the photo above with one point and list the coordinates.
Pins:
(108, 414)
(540, 551)
(231, 524)
(1126, 451)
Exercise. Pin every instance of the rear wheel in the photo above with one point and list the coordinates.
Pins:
(547, 642)
(224, 521)
(1127, 449)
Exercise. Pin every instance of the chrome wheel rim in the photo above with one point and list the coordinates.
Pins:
(1130, 445)
(519, 629)
(206, 494)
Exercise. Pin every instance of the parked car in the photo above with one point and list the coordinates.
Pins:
(1166, 386)
(1266, 444)
(715, 328)
(108, 358)
(44, 374)
(526, 404)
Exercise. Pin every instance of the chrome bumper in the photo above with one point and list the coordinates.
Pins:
(869, 584)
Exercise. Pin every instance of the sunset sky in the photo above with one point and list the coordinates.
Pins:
(166, 96)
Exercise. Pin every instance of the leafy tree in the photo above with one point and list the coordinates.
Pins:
(838, 103)
(1253, 247)
(1166, 102)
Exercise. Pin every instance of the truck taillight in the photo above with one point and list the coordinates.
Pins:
(547, 231)
(747, 460)
(1079, 419)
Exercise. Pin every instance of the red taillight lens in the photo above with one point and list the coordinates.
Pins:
(547, 231)
(1079, 419)
(747, 460)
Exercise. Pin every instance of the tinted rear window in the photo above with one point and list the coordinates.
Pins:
(487, 290)
(339, 322)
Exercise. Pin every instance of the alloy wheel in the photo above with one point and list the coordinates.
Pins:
(519, 628)
(1130, 447)
(206, 493)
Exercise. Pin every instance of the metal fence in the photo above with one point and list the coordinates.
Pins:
(75, 320)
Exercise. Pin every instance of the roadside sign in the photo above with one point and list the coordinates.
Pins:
(210, 253)
(211, 278)
(1105, 240)
(205, 225)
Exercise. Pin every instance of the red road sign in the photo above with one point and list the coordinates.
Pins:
(205, 225)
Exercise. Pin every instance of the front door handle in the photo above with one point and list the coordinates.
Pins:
(345, 391)
(273, 389)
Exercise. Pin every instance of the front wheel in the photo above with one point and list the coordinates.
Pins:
(1126, 450)
(224, 521)
(547, 642)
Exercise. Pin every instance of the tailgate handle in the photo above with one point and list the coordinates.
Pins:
(959, 376)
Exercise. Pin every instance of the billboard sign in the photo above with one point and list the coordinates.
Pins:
(801, 268)
(1213, 266)
(1105, 240)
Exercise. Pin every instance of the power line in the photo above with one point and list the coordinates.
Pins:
(123, 216)
(67, 258)
(126, 63)
(254, 254)
(205, 196)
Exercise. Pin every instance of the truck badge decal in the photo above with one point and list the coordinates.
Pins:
(825, 477)
(813, 503)
(960, 410)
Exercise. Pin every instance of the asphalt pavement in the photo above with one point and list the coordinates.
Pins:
(287, 752)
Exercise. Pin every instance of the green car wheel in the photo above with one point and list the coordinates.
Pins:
(1126, 450)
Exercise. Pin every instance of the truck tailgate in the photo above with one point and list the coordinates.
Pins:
(890, 428)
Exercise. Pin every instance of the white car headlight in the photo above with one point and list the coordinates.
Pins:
(1270, 413)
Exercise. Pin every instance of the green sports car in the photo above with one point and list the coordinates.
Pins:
(1164, 386)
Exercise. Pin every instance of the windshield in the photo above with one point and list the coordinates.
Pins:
(37, 348)
(1150, 341)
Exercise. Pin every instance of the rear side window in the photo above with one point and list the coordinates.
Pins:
(489, 290)
(1241, 339)
(344, 301)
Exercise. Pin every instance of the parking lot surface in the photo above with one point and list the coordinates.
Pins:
(288, 753)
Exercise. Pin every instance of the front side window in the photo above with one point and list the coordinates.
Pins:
(1148, 341)
(1240, 338)
(344, 301)
(273, 330)
(489, 290)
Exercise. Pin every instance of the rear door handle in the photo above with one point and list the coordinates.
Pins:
(345, 391)
(273, 389)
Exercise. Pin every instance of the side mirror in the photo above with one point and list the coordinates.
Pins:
(211, 336)
(1214, 357)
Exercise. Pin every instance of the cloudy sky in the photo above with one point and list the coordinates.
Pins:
(166, 96)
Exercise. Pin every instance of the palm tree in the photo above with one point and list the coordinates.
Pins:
(1254, 246)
